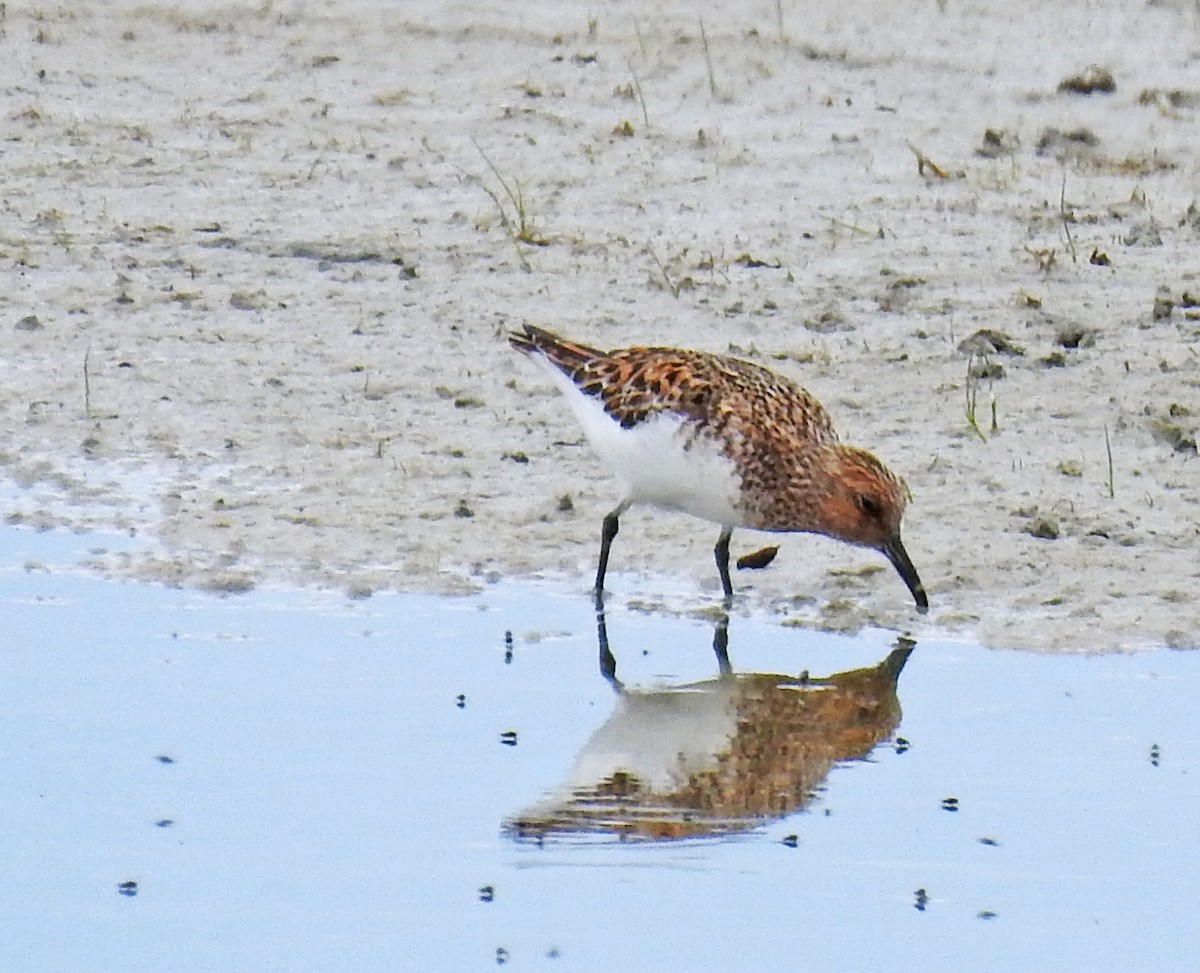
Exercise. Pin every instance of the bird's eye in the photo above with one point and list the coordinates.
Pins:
(869, 505)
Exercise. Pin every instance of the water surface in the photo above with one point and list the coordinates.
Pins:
(295, 781)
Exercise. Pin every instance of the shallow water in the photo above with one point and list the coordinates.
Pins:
(291, 782)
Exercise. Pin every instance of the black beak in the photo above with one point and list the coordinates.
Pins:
(895, 552)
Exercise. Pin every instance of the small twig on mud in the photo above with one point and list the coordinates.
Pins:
(1045, 259)
(923, 162)
(972, 392)
(712, 81)
(852, 227)
(87, 385)
(1112, 491)
(673, 286)
(637, 86)
(523, 231)
(1062, 212)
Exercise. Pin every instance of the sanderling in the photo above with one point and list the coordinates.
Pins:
(724, 440)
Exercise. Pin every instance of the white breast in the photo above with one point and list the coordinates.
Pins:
(658, 461)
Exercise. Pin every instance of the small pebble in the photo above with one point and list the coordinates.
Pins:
(1095, 80)
(1044, 529)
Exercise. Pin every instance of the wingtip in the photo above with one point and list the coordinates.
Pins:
(530, 338)
(567, 355)
(522, 340)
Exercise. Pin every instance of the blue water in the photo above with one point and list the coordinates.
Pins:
(290, 780)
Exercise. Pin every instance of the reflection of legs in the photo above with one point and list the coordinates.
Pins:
(722, 554)
(608, 662)
(721, 645)
(607, 533)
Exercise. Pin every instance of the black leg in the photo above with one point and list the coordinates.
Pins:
(722, 553)
(607, 533)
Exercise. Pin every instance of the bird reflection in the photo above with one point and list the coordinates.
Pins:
(716, 757)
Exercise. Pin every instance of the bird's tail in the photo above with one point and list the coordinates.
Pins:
(566, 355)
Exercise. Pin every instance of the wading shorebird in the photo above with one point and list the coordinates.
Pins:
(724, 440)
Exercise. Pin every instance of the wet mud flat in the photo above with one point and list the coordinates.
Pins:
(283, 779)
(260, 261)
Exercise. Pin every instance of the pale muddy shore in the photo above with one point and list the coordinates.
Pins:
(259, 263)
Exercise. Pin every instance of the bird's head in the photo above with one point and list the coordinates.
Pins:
(862, 502)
